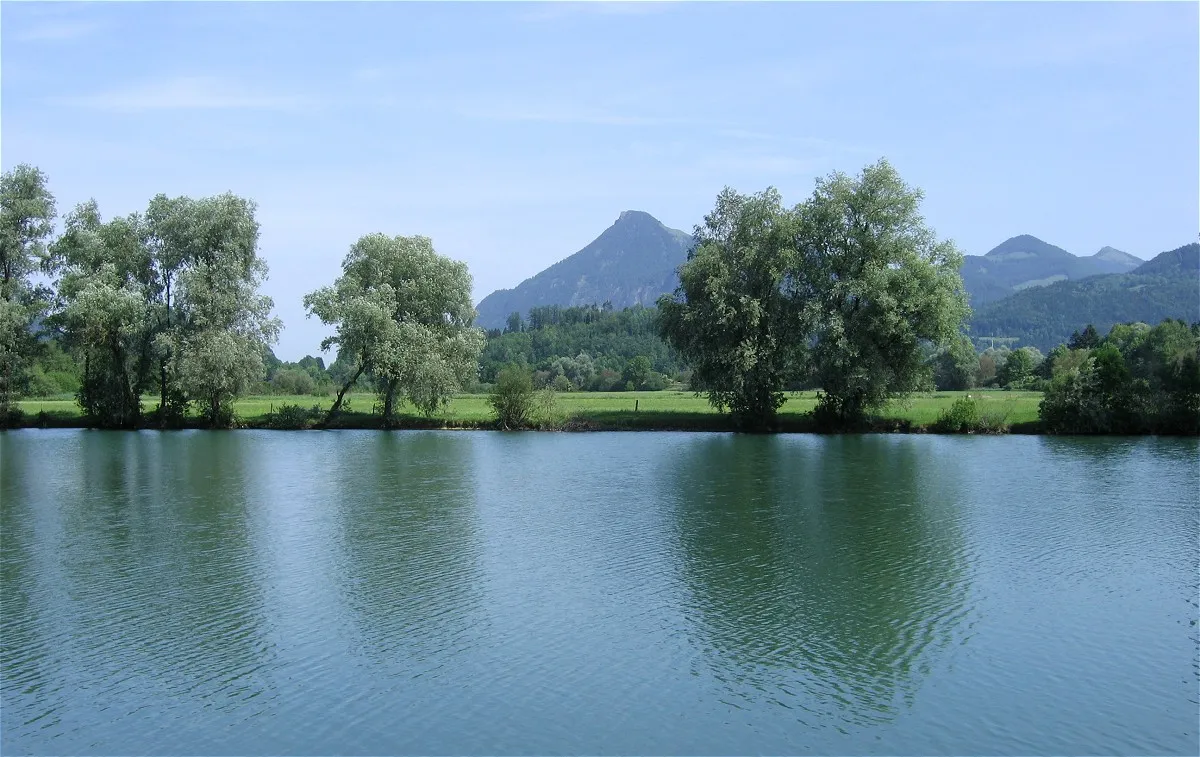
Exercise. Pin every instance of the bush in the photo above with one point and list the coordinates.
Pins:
(512, 397)
(11, 416)
(963, 417)
(293, 381)
(656, 382)
(546, 414)
(291, 417)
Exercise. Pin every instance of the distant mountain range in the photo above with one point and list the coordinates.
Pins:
(1023, 288)
(1166, 287)
(1025, 261)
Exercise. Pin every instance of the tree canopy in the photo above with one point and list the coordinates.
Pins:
(843, 289)
(402, 314)
(27, 211)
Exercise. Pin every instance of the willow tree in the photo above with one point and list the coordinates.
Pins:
(732, 317)
(875, 282)
(171, 297)
(105, 312)
(403, 314)
(26, 212)
(843, 290)
(224, 325)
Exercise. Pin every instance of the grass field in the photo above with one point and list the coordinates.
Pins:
(595, 410)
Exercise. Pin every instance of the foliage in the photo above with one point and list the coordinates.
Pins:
(846, 289)
(27, 210)
(512, 397)
(875, 281)
(965, 417)
(732, 318)
(956, 366)
(1018, 369)
(591, 345)
(293, 381)
(1084, 341)
(291, 417)
(403, 315)
(1138, 380)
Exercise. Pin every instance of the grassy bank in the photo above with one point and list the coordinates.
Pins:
(593, 411)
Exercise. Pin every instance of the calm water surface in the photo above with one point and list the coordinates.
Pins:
(425, 592)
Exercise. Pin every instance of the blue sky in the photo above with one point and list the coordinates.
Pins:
(513, 134)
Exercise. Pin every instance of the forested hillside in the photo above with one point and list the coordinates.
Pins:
(592, 346)
(1025, 262)
(1165, 287)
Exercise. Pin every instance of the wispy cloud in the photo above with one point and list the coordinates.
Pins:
(184, 93)
(58, 31)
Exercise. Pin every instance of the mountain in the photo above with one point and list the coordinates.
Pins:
(1026, 261)
(1117, 258)
(633, 262)
(1181, 261)
(1166, 287)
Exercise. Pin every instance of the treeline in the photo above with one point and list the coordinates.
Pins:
(589, 348)
(1045, 316)
(848, 292)
(166, 302)
(1136, 380)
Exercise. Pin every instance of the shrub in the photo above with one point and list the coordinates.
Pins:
(11, 416)
(293, 417)
(512, 397)
(546, 414)
(963, 417)
(293, 381)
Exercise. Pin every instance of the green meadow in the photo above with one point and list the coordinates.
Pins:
(588, 411)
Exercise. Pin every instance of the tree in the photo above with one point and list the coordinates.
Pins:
(104, 312)
(987, 369)
(731, 317)
(513, 324)
(1138, 380)
(218, 327)
(956, 365)
(875, 281)
(638, 370)
(512, 397)
(403, 314)
(1085, 341)
(1019, 366)
(26, 214)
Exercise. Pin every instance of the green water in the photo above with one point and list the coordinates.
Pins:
(471, 592)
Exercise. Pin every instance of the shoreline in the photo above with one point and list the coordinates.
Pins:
(627, 421)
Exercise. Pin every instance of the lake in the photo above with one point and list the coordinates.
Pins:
(261, 592)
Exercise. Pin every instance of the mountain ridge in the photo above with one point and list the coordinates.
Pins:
(634, 261)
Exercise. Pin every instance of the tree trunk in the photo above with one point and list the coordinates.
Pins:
(337, 404)
(389, 402)
(162, 371)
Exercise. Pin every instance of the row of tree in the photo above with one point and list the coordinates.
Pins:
(166, 301)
